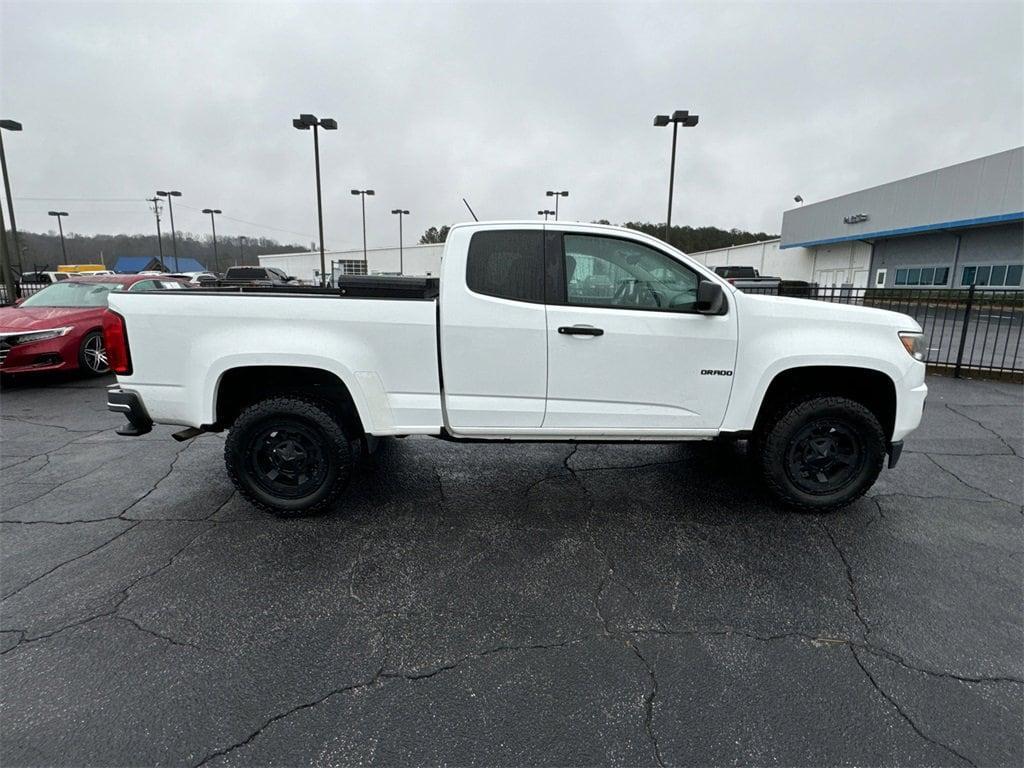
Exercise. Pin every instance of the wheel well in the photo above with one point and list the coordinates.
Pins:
(241, 387)
(872, 389)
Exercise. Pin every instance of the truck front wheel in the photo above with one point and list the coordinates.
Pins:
(821, 453)
(289, 455)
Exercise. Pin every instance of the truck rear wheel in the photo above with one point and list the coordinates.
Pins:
(821, 453)
(289, 455)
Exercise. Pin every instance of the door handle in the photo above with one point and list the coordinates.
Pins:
(581, 330)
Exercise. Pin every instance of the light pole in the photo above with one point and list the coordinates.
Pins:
(680, 116)
(10, 125)
(213, 224)
(545, 213)
(304, 123)
(362, 194)
(556, 194)
(401, 259)
(170, 209)
(159, 238)
(60, 215)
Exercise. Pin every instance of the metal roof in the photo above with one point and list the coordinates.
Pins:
(988, 190)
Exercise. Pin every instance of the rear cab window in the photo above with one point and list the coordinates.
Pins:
(508, 264)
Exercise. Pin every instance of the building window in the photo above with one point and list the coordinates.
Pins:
(926, 276)
(351, 267)
(880, 278)
(992, 275)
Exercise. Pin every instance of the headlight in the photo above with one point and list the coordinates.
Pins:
(915, 344)
(30, 336)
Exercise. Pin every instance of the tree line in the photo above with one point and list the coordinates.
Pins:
(41, 251)
(685, 238)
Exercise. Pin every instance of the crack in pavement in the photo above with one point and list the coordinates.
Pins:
(988, 429)
(122, 595)
(288, 713)
(605, 621)
(73, 559)
(170, 469)
(957, 477)
(902, 713)
(19, 420)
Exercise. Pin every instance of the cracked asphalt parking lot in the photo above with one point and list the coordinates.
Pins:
(509, 604)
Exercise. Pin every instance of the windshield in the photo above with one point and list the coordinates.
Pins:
(71, 294)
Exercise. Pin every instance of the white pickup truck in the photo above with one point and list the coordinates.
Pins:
(534, 331)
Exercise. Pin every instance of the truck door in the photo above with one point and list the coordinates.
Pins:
(494, 329)
(627, 353)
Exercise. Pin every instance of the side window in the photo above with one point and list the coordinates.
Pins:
(608, 272)
(508, 264)
(144, 285)
(171, 285)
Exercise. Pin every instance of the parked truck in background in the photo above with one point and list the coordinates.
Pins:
(534, 331)
(746, 278)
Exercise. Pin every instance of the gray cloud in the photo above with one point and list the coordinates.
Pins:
(493, 102)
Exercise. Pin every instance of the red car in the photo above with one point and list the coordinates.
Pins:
(60, 327)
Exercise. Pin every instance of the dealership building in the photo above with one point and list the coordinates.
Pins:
(946, 228)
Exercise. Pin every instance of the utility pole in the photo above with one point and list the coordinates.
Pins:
(159, 238)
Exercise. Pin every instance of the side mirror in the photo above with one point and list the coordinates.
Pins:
(710, 298)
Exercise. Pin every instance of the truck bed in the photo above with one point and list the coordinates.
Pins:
(383, 348)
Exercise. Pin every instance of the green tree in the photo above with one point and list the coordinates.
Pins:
(434, 235)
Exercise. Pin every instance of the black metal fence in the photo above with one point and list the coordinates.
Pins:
(22, 290)
(976, 329)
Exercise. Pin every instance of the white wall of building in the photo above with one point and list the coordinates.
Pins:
(415, 259)
(836, 264)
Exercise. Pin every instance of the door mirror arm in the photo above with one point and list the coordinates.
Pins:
(710, 298)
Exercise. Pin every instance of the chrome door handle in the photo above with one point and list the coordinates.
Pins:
(581, 330)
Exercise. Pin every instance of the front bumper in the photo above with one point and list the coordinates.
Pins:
(130, 404)
(37, 356)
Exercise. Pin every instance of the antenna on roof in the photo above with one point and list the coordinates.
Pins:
(470, 210)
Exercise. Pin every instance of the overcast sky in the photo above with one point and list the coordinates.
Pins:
(494, 102)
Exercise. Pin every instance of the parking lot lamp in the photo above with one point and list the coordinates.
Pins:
(401, 260)
(545, 213)
(362, 194)
(213, 224)
(60, 215)
(170, 195)
(304, 123)
(557, 194)
(679, 117)
(10, 125)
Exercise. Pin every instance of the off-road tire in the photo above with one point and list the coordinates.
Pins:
(776, 443)
(323, 430)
